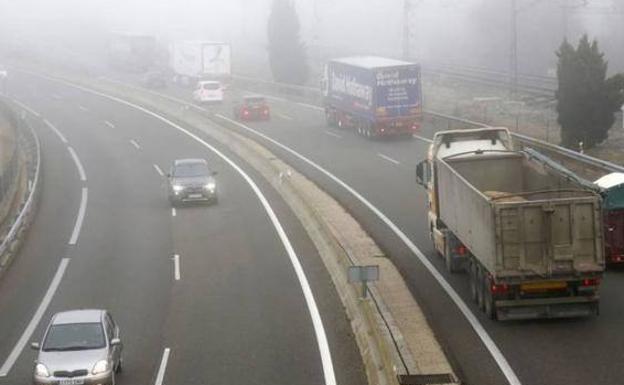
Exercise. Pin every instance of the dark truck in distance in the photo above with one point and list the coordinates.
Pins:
(528, 235)
(374, 95)
(612, 191)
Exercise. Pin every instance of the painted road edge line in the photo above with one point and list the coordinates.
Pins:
(319, 330)
(32, 325)
(158, 170)
(55, 130)
(176, 267)
(333, 134)
(80, 217)
(284, 116)
(25, 107)
(489, 343)
(423, 138)
(135, 144)
(81, 172)
(389, 159)
(160, 377)
(109, 124)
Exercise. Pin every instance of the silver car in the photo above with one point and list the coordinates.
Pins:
(190, 180)
(80, 347)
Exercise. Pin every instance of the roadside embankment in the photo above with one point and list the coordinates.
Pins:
(391, 331)
(19, 180)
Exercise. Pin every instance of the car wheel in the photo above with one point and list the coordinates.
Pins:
(113, 378)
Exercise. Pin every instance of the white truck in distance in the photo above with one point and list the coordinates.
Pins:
(194, 60)
(529, 236)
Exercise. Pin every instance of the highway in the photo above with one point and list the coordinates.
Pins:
(576, 351)
(203, 294)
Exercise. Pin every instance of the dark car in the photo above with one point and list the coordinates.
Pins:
(190, 180)
(154, 79)
(252, 108)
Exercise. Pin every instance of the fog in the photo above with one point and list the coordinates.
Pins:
(461, 32)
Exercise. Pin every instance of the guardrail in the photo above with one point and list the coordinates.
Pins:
(30, 142)
(448, 121)
(9, 172)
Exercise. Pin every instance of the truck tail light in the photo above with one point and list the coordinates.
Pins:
(461, 250)
(265, 111)
(590, 282)
(499, 288)
(245, 112)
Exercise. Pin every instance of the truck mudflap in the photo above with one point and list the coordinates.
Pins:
(525, 309)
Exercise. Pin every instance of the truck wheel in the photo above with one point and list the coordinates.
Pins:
(451, 265)
(488, 302)
(480, 287)
(473, 283)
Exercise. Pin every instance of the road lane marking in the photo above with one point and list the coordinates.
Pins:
(311, 106)
(423, 138)
(83, 108)
(176, 267)
(158, 170)
(25, 107)
(283, 116)
(333, 134)
(55, 130)
(173, 212)
(160, 377)
(83, 176)
(317, 323)
(32, 325)
(135, 144)
(109, 124)
(56, 96)
(80, 217)
(389, 159)
(485, 338)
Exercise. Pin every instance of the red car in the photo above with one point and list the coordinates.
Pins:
(252, 108)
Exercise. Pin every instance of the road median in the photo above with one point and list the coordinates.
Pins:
(391, 331)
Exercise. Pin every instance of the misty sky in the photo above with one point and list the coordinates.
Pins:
(468, 32)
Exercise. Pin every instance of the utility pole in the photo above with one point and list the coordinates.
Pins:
(407, 7)
(513, 52)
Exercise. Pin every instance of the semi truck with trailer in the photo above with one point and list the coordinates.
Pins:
(195, 60)
(529, 236)
(373, 95)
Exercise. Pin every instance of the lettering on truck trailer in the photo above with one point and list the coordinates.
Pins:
(350, 86)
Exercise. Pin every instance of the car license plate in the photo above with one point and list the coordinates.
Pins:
(72, 381)
(543, 286)
(195, 196)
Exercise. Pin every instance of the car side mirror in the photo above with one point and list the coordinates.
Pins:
(422, 173)
(34, 345)
(115, 342)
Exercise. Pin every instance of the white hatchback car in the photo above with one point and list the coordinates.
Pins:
(208, 91)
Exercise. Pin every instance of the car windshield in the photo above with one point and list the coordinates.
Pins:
(189, 170)
(78, 336)
(255, 101)
(211, 86)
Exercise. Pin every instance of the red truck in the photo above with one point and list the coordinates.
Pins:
(612, 191)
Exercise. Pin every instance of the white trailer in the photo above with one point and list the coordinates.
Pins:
(194, 60)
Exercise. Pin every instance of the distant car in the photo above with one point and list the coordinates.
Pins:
(252, 108)
(190, 180)
(80, 347)
(154, 79)
(208, 91)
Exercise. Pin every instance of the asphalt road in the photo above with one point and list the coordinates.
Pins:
(577, 351)
(236, 314)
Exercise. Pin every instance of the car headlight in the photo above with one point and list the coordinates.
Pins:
(177, 188)
(41, 371)
(210, 186)
(100, 367)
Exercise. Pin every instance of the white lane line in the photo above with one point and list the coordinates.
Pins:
(176, 267)
(109, 124)
(284, 116)
(32, 325)
(55, 130)
(317, 323)
(83, 107)
(423, 138)
(158, 170)
(487, 341)
(56, 96)
(25, 107)
(160, 377)
(389, 159)
(312, 106)
(333, 134)
(173, 212)
(83, 176)
(135, 144)
(80, 217)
